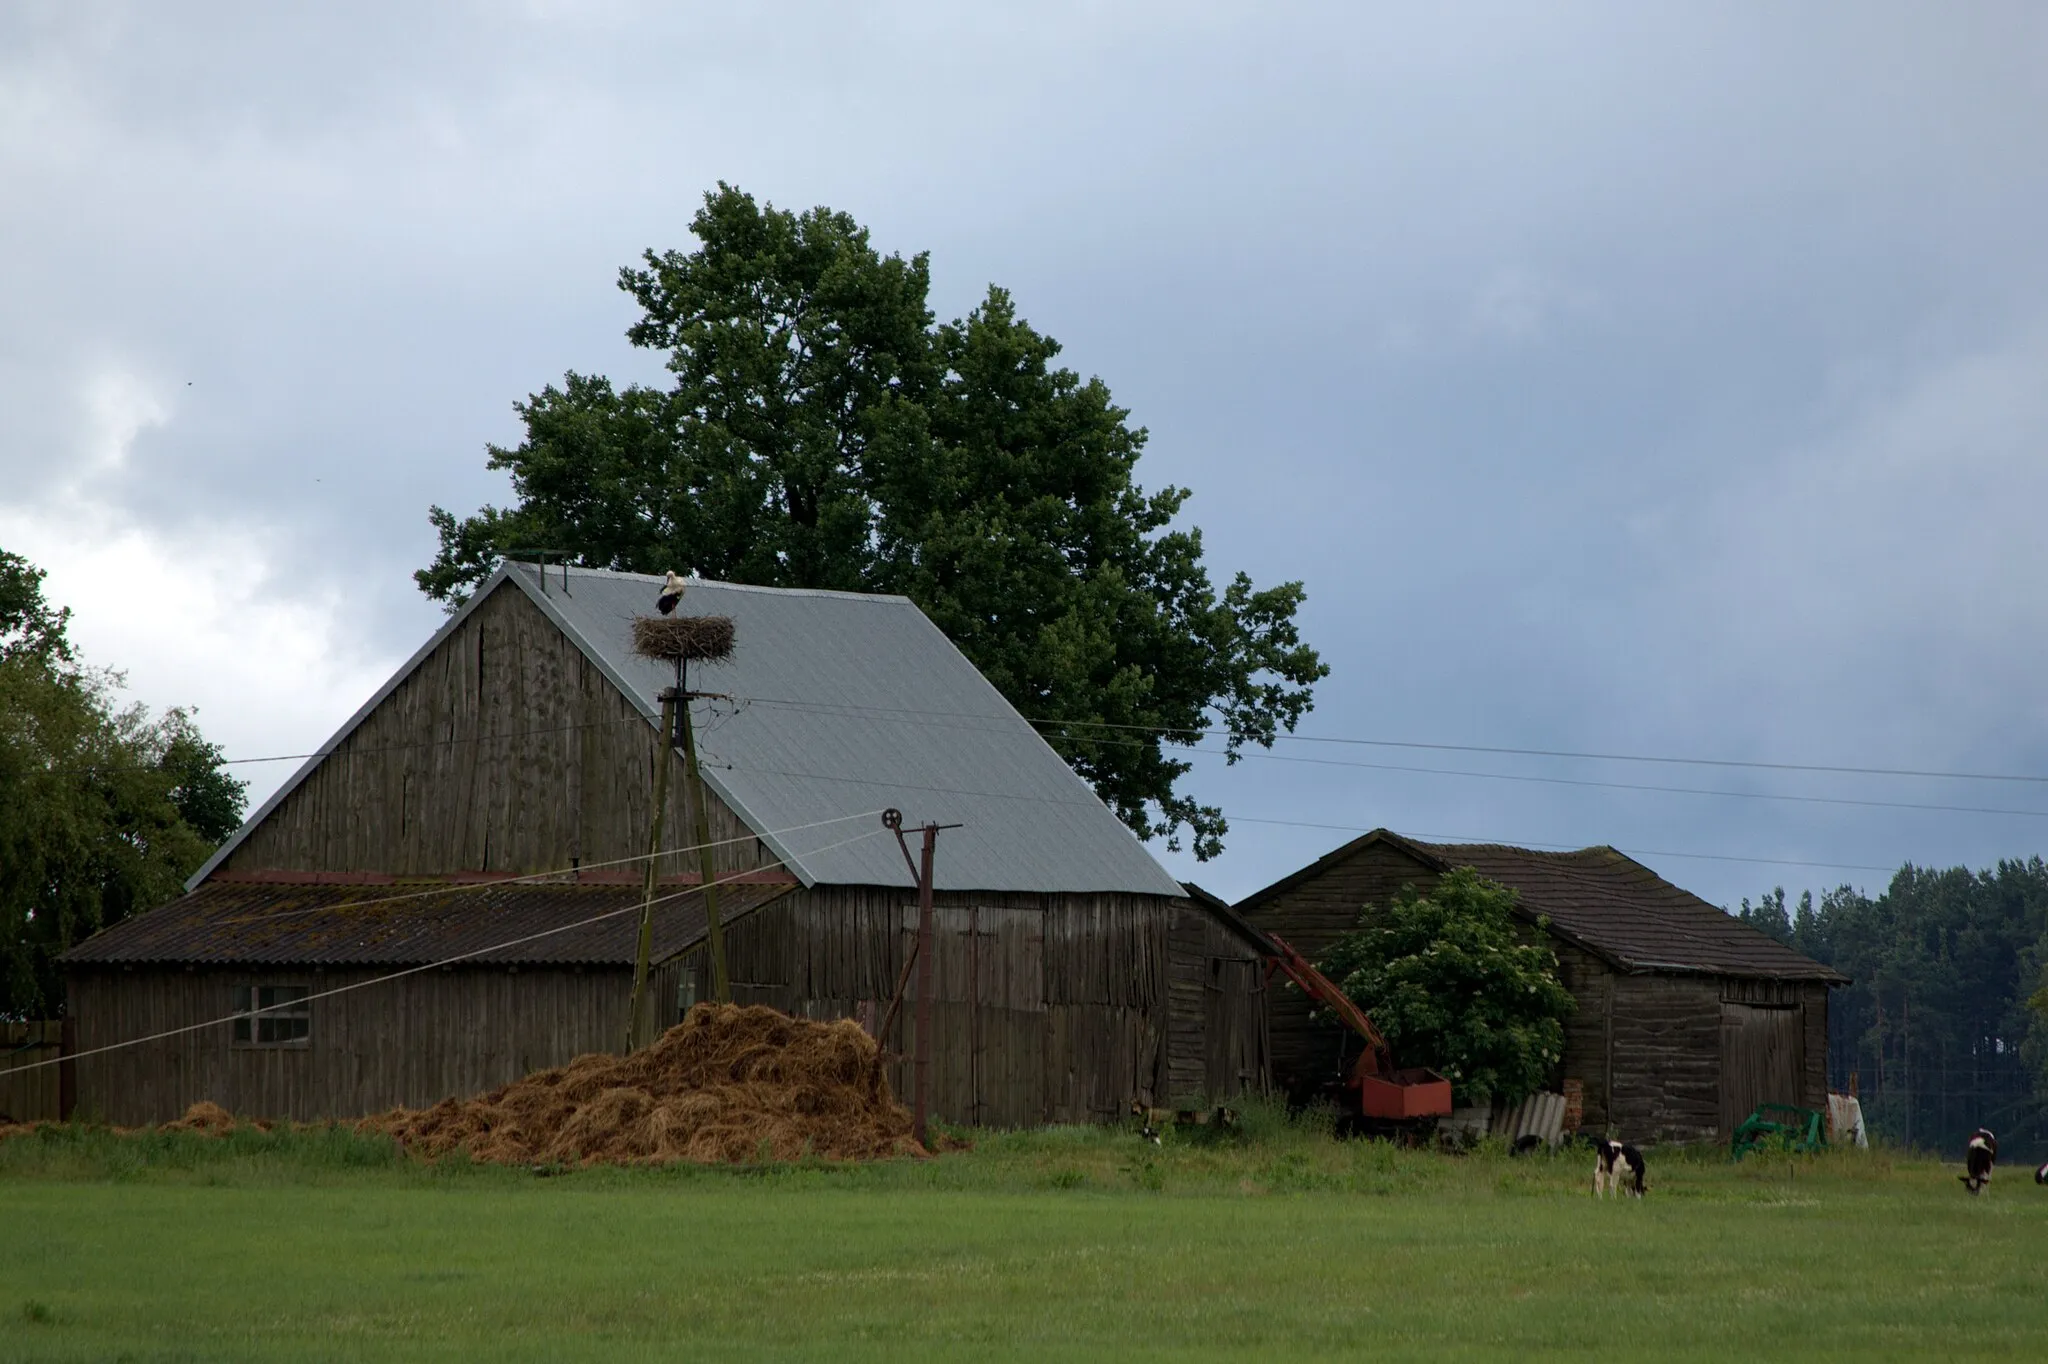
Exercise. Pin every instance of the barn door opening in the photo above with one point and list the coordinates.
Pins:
(989, 1019)
(1763, 1059)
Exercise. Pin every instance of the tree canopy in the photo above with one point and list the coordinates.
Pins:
(822, 430)
(103, 810)
(1449, 980)
(1936, 1024)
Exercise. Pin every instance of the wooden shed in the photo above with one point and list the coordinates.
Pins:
(478, 818)
(1687, 1017)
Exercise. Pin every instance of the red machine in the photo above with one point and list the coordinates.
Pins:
(1387, 1099)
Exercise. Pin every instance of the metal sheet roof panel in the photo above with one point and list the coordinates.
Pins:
(846, 703)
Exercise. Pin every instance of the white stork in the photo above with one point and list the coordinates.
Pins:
(671, 593)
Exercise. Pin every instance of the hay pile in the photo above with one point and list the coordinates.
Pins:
(728, 1083)
(205, 1118)
(706, 639)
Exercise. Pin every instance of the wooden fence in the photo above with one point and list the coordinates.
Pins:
(31, 1092)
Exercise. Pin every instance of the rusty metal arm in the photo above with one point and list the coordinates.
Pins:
(1377, 1058)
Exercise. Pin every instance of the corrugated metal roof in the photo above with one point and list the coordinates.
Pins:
(844, 703)
(1609, 903)
(848, 703)
(395, 924)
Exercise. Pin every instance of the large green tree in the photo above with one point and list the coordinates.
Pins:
(821, 430)
(103, 810)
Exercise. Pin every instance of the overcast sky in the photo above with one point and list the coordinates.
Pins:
(1622, 379)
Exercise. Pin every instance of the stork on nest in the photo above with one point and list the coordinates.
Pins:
(683, 639)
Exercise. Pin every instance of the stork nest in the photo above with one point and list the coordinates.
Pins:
(693, 639)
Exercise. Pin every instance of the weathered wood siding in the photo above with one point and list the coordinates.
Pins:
(412, 1041)
(1647, 1047)
(1587, 1056)
(1217, 1043)
(1307, 1055)
(31, 1088)
(1773, 1046)
(504, 751)
(1045, 1008)
(1665, 1067)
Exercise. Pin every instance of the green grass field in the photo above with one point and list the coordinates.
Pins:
(1059, 1244)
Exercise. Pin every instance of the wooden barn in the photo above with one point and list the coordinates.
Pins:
(473, 827)
(1687, 1019)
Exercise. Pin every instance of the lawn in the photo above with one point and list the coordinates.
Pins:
(1059, 1244)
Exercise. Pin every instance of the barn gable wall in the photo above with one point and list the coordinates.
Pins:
(505, 750)
(1647, 1048)
(1311, 915)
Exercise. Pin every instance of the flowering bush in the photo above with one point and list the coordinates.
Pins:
(1449, 980)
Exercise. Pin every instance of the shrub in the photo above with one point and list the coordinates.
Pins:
(1448, 979)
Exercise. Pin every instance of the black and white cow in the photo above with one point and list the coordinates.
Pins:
(1617, 1166)
(1978, 1158)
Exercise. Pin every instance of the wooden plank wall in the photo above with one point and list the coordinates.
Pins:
(412, 1041)
(504, 751)
(1307, 1055)
(1666, 1068)
(1810, 1000)
(1217, 1041)
(1586, 1053)
(1046, 1008)
(30, 1095)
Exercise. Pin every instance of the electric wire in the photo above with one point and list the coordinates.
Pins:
(495, 883)
(1190, 733)
(1196, 732)
(1094, 802)
(430, 966)
(1572, 847)
(1529, 777)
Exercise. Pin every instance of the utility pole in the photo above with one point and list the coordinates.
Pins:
(676, 640)
(922, 951)
(636, 1015)
(714, 932)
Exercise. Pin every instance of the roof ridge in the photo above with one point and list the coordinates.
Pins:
(719, 583)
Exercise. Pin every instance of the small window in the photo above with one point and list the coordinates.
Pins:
(273, 1015)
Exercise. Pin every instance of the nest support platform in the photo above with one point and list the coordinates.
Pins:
(683, 639)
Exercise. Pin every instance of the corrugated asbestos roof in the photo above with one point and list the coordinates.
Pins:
(846, 703)
(1608, 903)
(246, 923)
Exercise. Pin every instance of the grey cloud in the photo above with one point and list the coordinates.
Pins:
(1616, 377)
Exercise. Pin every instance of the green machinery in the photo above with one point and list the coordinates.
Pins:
(1800, 1129)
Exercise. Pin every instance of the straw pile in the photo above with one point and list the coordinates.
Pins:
(728, 1083)
(705, 639)
(208, 1119)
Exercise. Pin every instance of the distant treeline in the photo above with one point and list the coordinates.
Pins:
(1945, 1027)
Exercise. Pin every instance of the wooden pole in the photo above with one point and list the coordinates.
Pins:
(714, 933)
(924, 986)
(636, 1019)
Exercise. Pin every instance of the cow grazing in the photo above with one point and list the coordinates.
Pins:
(1617, 1166)
(1978, 1158)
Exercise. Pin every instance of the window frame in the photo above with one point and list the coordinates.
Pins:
(264, 1021)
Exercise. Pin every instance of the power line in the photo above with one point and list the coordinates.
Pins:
(1537, 843)
(1526, 777)
(1095, 802)
(1188, 734)
(1197, 732)
(430, 966)
(458, 887)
